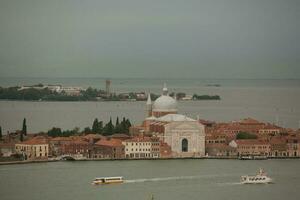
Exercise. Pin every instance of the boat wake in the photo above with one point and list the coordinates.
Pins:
(229, 184)
(166, 179)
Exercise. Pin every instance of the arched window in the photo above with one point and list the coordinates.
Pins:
(184, 145)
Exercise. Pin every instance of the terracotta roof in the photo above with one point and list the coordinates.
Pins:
(120, 135)
(278, 140)
(93, 136)
(250, 121)
(61, 139)
(251, 142)
(270, 126)
(219, 146)
(109, 142)
(139, 139)
(78, 141)
(35, 141)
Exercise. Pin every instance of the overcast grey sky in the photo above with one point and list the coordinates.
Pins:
(157, 38)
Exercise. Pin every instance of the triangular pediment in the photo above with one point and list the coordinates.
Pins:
(184, 125)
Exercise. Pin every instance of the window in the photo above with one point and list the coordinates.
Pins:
(184, 145)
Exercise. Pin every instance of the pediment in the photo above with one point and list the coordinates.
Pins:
(185, 126)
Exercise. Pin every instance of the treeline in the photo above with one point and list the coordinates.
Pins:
(206, 97)
(245, 136)
(32, 94)
(90, 94)
(98, 127)
(13, 93)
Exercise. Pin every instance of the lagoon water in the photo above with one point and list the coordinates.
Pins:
(165, 179)
(267, 100)
(275, 101)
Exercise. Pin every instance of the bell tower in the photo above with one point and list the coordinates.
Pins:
(149, 105)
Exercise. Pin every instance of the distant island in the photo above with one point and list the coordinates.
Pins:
(213, 85)
(42, 92)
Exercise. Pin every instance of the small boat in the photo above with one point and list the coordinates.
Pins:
(246, 157)
(260, 177)
(108, 180)
(253, 157)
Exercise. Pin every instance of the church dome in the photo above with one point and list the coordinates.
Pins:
(165, 103)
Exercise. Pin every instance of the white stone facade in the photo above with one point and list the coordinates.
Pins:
(186, 138)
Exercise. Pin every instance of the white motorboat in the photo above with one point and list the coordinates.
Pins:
(260, 177)
(108, 180)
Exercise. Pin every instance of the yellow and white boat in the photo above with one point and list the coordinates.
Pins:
(108, 180)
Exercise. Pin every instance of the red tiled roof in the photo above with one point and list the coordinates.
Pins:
(61, 139)
(219, 146)
(93, 136)
(278, 140)
(120, 135)
(250, 121)
(251, 142)
(35, 141)
(139, 139)
(110, 142)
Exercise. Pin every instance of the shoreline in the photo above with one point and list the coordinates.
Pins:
(137, 159)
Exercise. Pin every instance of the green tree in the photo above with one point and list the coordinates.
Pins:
(21, 137)
(127, 125)
(24, 128)
(117, 126)
(109, 128)
(123, 125)
(95, 125)
(0, 132)
(245, 135)
(87, 130)
(54, 132)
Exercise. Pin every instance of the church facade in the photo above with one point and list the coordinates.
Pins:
(184, 135)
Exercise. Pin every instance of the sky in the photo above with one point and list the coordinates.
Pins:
(160, 38)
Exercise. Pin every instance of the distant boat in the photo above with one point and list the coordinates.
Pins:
(260, 177)
(108, 180)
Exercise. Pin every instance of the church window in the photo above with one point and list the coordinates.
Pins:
(184, 145)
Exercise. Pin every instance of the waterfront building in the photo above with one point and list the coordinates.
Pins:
(279, 146)
(55, 145)
(76, 147)
(108, 149)
(7, 149)
(293, 146)
(165, 150)
(72, 91)
(253, 147)
(36, 148)
(142, 147)
(220, 150)
(215, 138)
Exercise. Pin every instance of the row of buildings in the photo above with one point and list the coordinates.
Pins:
(91, 146)
(165, 133)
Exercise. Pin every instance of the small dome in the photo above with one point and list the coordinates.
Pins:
(165, 103)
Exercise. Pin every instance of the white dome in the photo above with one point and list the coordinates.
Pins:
(165, 103)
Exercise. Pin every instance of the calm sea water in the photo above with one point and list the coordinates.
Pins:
(167, 180)
(275, 101)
